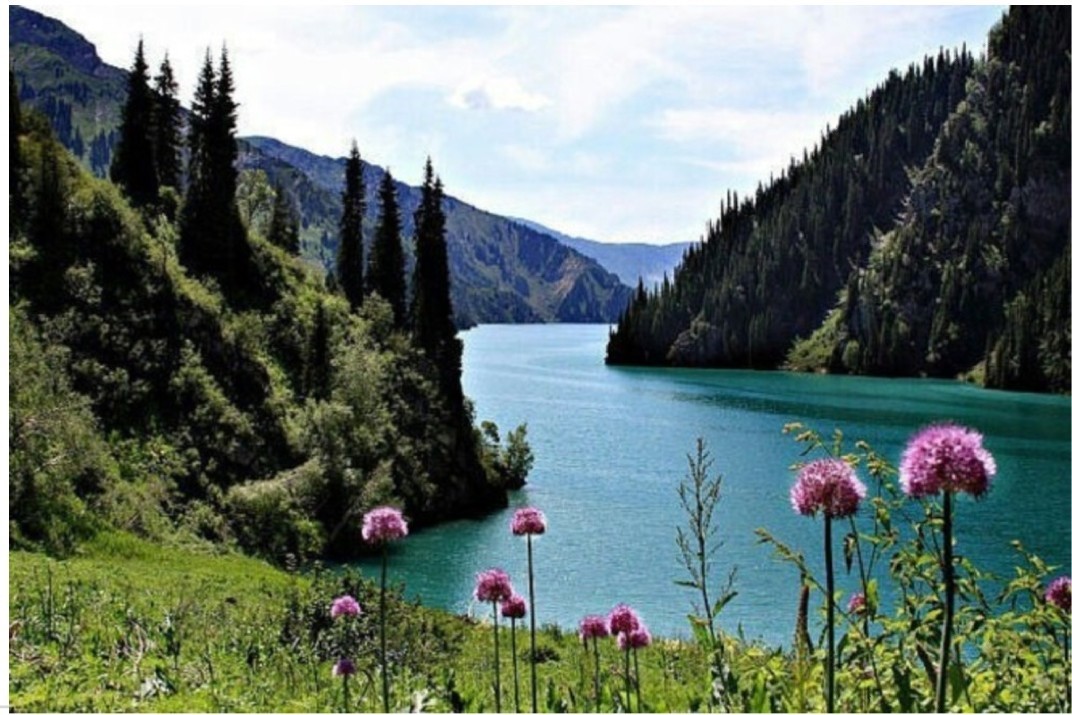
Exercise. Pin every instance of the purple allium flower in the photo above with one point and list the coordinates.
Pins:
(622, 619)
(343, 667)
(1059, 593)
(493, 585)
(382, 524)
(639, 638)
(946, 458)
(827, 485)
(858, 604)
(514, 607)
(345, 606)
(593, 627)
(528, 520)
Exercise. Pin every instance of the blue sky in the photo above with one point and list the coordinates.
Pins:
(612, 123)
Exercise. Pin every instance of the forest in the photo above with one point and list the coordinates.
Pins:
(926, 234)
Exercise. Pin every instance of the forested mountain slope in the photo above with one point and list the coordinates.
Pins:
(946, 185)
(502, 271)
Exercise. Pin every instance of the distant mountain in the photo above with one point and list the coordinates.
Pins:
(501, 270)
(631, 262)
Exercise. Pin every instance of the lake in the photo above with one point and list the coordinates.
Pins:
(611, 445)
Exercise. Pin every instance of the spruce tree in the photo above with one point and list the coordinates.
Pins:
(132, 166)
(167, 127)
(351, 259)
(283, 230)
(196, 220)
(387, 264)
(433, 319)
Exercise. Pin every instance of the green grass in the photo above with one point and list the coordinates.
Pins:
(129, 625)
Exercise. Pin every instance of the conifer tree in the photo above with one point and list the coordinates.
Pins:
(387, 265)
(283, 230)
(432, 313)
(350, 261)
(132, 167)
(195, 239)
(167, 132)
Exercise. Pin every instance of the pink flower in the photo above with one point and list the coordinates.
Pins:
(623, 619)
(345, 606)
(593, 627)
(514, 607)
(382, 524)
(1059, 593)
(493, 585)
(858, 604)
(528, 520)
(829, 485)
(946, 458)
(343, 667)
(639, 638)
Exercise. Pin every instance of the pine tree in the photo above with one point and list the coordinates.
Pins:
(196, 244)
(132, 166)
(432, 313)
(350, 261)
(387, 264)
(283, 230)
(167, 131)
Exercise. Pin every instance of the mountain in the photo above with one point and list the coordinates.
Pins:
(924, 235)
(61, 76)
(631, 262)
(501, 270)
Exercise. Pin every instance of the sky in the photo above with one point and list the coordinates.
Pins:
(610, 123)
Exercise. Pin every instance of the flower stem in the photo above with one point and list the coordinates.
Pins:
(532, 624)
(383, 631)
(828, 553)
(628, 706)
(513, 650)
(599, 692)
(950, 592)
(498, 685)
(346, 693)
(636, 672)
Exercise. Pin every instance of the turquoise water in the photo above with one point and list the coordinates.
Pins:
(611, 446)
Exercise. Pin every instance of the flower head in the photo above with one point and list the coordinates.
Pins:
(343, 667)
(858, 604)
(639, 638)
(827, 485)
(622, 619)
(514, 607)
(382, 524)
(345, 606)
(493, 585)
(946, 458)
(528, 520)
(593, 627)
(1059, 593)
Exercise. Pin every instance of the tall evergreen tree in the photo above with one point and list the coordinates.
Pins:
(283, 230)
(387, 263)
(432, 313)
(132, 166)
(213, 237)
(351, 259)
(167, 127)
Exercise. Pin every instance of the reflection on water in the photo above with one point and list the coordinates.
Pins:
(611, 446)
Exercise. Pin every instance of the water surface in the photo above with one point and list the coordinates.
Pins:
(611, 446)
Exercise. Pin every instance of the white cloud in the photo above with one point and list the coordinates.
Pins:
(526, 158)
(497, 93)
